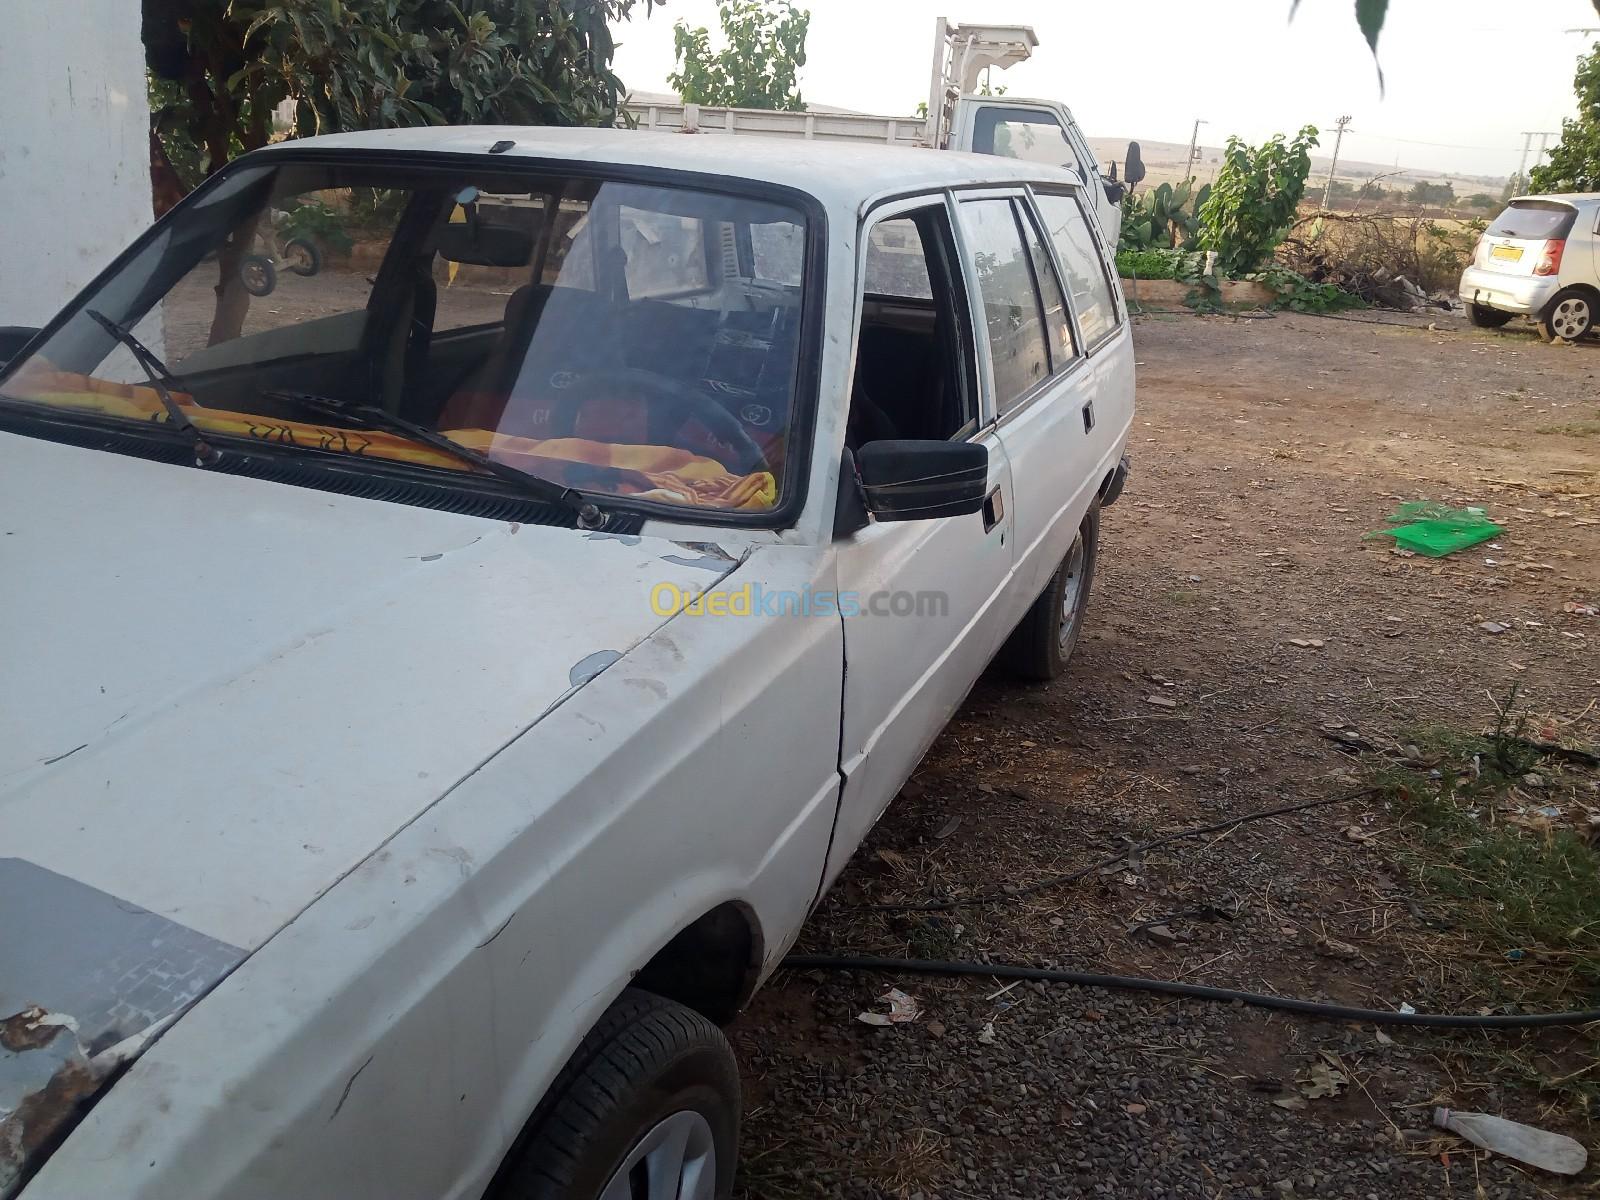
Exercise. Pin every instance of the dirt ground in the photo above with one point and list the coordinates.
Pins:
(1263, 449)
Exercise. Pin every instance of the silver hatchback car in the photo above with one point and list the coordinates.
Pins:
(1541, 259)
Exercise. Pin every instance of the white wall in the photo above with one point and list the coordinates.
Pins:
(74, 148)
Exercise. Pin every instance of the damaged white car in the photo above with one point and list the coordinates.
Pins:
(437, 689)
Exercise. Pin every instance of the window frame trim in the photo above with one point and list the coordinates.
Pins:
(1028, 396)
(902, 204)
(1118, 313)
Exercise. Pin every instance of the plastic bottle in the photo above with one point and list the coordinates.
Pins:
(1536, 1147)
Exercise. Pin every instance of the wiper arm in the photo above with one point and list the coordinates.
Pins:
(162, 381)
(588, 512)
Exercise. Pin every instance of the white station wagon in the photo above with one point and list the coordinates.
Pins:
(437, 692)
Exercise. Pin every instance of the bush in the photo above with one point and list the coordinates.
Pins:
(1160, 264)
(1299, 294)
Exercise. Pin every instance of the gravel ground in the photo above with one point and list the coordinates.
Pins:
(1262, 451)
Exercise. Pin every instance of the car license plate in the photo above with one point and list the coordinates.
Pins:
(1508, 253)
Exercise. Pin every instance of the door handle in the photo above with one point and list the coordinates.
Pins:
(994, 509)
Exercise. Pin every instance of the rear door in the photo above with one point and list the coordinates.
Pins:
(1515, 242)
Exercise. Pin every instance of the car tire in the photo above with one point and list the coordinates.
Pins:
(1487, 318)
(1042, 643)
(303, 256)
(258, 274)
(1569, 316)
(652, 1090)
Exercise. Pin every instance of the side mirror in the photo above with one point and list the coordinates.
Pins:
(1133, 166)
(1114, 191)
(919, 480)
(12, 339)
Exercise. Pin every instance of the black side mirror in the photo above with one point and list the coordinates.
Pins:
(1133, 166)
(12, 339)
(1114, 190)
(918, 480)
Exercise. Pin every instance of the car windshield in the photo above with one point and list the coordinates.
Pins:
(1534, 219)
(619, 338)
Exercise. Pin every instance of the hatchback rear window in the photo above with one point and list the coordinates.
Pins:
(1534, 219)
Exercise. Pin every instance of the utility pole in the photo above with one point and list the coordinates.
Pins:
(1333, 167)
(1194, 146)
(1520, 179)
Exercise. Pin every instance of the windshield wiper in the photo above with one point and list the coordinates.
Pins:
(162, 380)
(588, 512)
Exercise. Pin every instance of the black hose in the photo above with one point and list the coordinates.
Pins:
(1193, 991)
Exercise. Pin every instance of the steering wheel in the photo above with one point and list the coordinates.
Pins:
(669, 406)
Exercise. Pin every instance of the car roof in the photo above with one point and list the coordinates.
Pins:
(843, 175)
(1573, 198)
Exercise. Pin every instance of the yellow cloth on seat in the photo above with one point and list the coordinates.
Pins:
(662, 473)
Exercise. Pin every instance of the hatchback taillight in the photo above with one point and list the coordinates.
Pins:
(1550, 260)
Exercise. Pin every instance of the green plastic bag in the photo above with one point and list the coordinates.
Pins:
(1434, 529)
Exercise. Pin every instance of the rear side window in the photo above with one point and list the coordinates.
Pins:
(1011, 310)
(1022, 133)
(1085, 274)
(1536, 219)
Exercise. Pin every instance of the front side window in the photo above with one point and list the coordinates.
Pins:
(1018, 348)
(612, 337)
(1081, 263)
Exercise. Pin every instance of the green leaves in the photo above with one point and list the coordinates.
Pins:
(759, 65)
(1574, 164)
(1252, 203)
(365, 64)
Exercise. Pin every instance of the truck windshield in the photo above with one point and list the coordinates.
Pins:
(619, 338)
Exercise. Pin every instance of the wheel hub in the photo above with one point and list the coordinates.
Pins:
(675, 1160)
(1570, 319)
(1071, 591)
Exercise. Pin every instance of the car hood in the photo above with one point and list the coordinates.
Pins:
(221, 695)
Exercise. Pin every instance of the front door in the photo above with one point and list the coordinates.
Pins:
(920, 599)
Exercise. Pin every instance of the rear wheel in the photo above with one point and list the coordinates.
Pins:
(1487, 318)
(1569, 316)
(302, 256)
(647, 1109)
(1043, 641)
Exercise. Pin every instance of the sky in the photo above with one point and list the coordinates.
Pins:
(1464, 78)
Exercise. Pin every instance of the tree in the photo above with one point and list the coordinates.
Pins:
(1482, 200)
(1432, 195)
(219, 70)
(759, 65)
(1254, 198)
(1574, 164)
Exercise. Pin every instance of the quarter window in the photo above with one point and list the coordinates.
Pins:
(1011, 311)
(1082, 266)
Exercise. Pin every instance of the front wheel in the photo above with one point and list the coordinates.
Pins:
(258, 275)
(1043, 641)
(1487, 318)
(1569, 316)
(647, 1109)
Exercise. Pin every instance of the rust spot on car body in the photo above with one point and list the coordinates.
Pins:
(51, 1110)
(30, 1029)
